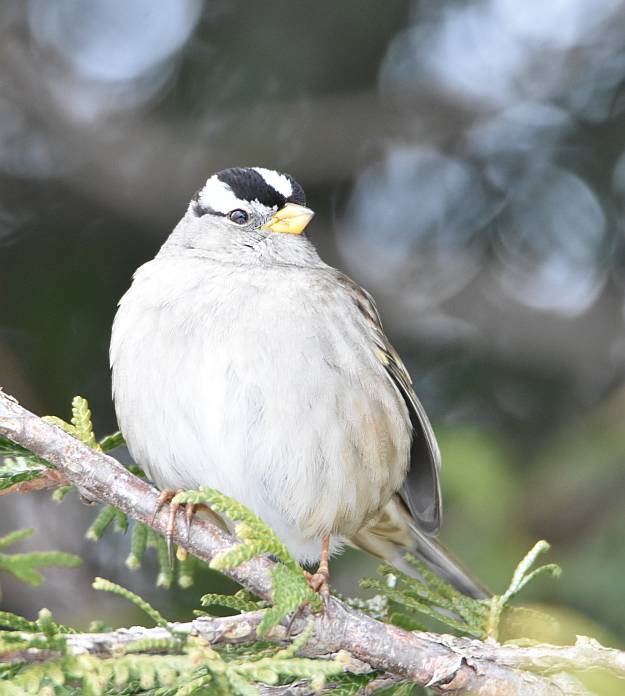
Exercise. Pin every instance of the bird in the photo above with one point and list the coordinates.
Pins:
(243, 362)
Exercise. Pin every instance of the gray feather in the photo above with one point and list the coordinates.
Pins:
(421, 489)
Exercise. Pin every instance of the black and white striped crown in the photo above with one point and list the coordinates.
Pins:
(226, 190)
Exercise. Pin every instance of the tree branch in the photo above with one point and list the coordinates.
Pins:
(445, 664)
(586, 655)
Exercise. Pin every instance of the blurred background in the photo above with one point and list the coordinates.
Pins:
(466, 160)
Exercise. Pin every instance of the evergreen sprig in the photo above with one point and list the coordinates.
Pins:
(16, 623)
(24, 566)
(18, 465)
(240, 601)
(521, 577)
(80, 425)
(290, 587)
(108, 586)
(410, 600)
(138, 545)
(249, 528)
(289, 592)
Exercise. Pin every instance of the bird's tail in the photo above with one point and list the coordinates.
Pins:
(393, 534)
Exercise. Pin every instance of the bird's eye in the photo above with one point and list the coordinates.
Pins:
(238, 216)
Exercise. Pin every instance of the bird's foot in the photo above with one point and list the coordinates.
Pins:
(166, 497)
(318, 582)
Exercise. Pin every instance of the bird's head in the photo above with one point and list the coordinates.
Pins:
(242, 207)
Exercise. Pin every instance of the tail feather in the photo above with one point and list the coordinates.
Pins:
(393, 534)
(442, 562)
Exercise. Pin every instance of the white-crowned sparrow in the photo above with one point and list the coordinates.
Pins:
(243, 362)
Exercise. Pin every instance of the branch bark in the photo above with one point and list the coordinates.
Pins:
(445, 664)
(586, 655)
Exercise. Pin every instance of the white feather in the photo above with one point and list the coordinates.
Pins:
(217, 195)
(276, 180)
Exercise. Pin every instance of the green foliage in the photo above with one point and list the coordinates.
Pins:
(110, 442)
(192, 667)
(142, 538)
(18, 470)
(185, 568)
(165, 575)
(410, 600)
(58, 494)
(21, 465)
(16, 623)
(521, 577)
(12, 449)
(24, 566)
(250, 529)
(241, 601)
(376, 607)
(101, 522)
(18, 464)
(289, 592)
(89, 675)
(80, 425)
(108, 586)
(290, 588)
(81, 420)
(138, 545)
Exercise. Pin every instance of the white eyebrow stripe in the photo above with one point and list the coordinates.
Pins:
(217, 195)
(276, 180)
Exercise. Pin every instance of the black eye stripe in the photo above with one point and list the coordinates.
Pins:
(200, 210)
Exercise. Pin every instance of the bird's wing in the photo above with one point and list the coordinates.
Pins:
(421, 490)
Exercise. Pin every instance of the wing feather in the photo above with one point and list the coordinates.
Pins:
(421, 490)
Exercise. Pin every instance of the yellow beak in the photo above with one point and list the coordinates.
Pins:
(291, 219)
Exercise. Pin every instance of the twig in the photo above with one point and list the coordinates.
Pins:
(446, 665)
(51, 478)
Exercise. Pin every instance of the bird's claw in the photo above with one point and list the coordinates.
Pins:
(171, 528)
(166, 497)
(188, 517)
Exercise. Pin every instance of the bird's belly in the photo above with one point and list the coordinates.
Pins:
(271, 420)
